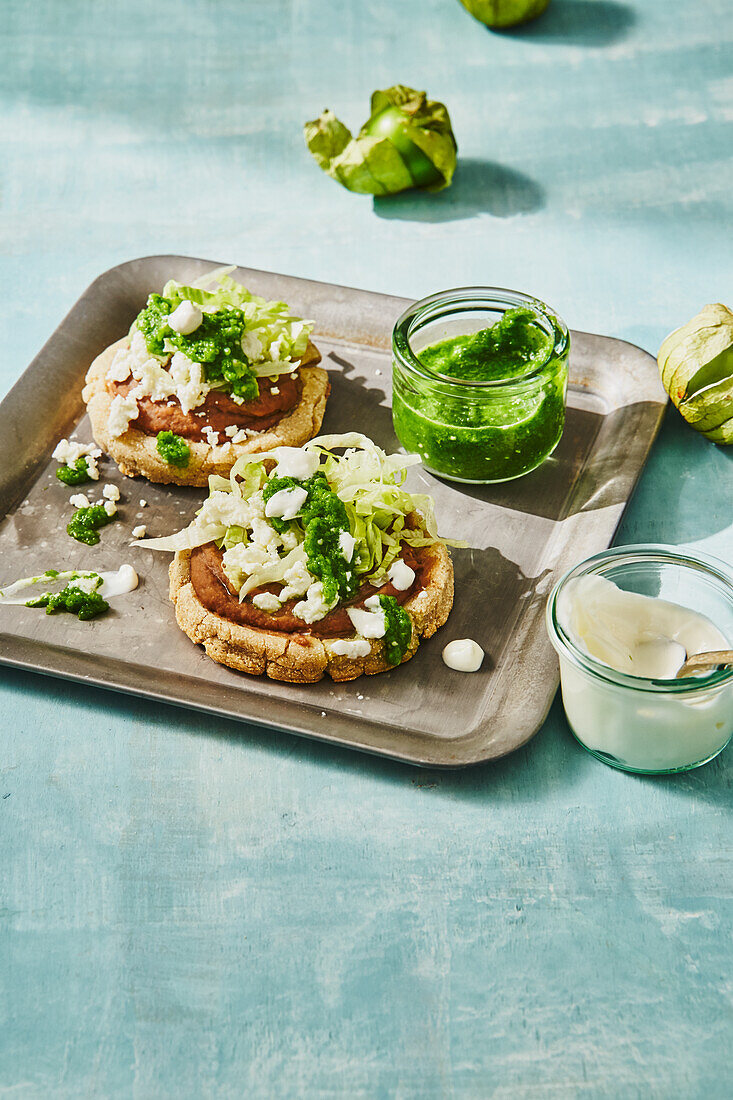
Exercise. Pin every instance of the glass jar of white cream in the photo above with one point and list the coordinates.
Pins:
(623, 622)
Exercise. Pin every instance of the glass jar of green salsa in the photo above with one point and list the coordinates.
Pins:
(479, 381)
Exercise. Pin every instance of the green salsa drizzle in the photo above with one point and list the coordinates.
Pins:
(72, 598)
(216, 343)
(77, 474)
(513, 346)
(497, 434)
(86, 523)
(173, 449)
(323, 518)
(399, 629)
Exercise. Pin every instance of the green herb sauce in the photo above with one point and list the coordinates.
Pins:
(323, 518)
(495, 435)
(216, 343)
(510, 348)
(399, 629)
(86, 523)
(173, 449)
(77, 474)
(72, 598)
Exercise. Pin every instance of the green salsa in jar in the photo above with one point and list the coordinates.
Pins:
(479, 383)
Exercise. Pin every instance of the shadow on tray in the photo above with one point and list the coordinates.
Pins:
(562, 486)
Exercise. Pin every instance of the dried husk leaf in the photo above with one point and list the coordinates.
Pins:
(696, 367)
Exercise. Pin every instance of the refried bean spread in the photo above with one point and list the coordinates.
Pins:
(218, 411)
(216, 593)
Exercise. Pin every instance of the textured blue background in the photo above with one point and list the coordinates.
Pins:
(193, 908)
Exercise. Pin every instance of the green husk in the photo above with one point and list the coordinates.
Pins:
(407, 141)
(505, 13)
(696, 366)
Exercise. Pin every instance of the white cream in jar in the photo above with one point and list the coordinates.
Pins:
(642, 726)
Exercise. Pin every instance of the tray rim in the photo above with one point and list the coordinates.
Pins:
(67, 663)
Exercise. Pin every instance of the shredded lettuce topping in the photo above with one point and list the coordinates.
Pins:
(239, 338)
(352, 520)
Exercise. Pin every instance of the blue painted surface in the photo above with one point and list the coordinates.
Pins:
(194, 908)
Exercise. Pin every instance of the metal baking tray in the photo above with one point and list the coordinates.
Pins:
(523, 534)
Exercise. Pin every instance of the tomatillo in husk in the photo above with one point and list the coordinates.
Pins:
(696, 364)
(407, 141)
(505, 13)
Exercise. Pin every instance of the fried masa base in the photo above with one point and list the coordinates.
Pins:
(136, 453)
(304, 658)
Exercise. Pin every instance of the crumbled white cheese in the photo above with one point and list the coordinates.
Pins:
(231, 431)
(110, 507)
(275, 389)
(266, 601)
(79, 500)
(111, 492)
(139, 531)
(87, 584)
(297, 581)
(92, 468)
(369, 623)
(184, 379)
(186, 318)
(69, 451)
(295, 462)
(347, 543)
(286, 503)
(210, 435)
(351, 647)
(143, 503)
(314, 606)
(401, 575)
(122, 411)
(190, 387)
(290, 540)
(241, 435)
(153, 381)
(231, 510)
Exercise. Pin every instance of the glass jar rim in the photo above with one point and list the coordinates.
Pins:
(466, 299)
(564, 644)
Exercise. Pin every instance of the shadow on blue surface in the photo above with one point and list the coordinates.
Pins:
(479, 187)
(579, 23)
(552, 763)
(667, 505)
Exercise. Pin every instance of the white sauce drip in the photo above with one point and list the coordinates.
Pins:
(369, 623)
(117, 583)
(295, 462)
(347, 542)
(401, 575)
(646, 637)
(186, 318)
(463, 655)
(286, 503)
(639, 635)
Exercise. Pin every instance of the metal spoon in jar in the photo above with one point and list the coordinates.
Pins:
(703, 662)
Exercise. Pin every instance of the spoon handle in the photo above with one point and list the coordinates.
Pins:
(701, 661)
